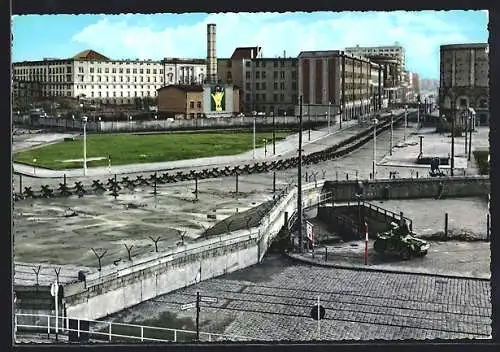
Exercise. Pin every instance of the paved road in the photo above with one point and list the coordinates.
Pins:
(273, 300)
(283, 147)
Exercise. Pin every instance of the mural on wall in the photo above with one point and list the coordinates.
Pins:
(218, 98)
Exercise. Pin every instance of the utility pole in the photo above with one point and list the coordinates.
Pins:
(197, 316)
(274, 135)
(343, 91)
(254, 117)
(471, 127)
(392, 134)
(452, 161)
(299, 177)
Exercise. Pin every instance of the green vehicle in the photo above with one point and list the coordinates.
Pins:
(400, 241)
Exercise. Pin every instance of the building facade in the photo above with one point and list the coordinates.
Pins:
(464, 80)
(395, 51)
(268, 85)
(93, 77)
(338, 82)
(184, 71)
(181, 101)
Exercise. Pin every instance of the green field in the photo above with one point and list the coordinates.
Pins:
(143, 148)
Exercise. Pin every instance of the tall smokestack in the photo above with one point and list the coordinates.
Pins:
(211, 56)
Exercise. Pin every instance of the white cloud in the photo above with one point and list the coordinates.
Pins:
(420, 33)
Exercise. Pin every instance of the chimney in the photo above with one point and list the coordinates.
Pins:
(251, 53)
(211, 56)
(284, 54)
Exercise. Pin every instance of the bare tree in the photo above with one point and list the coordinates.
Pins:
(247, 224)
(129, 250)
(57, 271)
(37, 272)
(155, 242)
(99, 257)
(182, 235)
(228, 226)
(205, 230)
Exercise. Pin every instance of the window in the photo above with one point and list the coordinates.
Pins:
(294, 85)
(191, 104)
(113, 70)
(91, 70)
(275, 74)
(247, 63)
(154, 71)
(263, 74)
(294, 74)
(282, 74)
(247, 75)
(247, 85)
(128, 71)
(99, 70)
(282, 97)
(275, 63)
(247, 97)
(257, 75)
(275, 85)
(263, 85)
(148, 71)
(263, 97)
(120, 70)
(199, 105)
(257, 86)
(257, 63)
(282, 85)
(282, 63)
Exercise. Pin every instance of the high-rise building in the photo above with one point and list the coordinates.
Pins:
(395, 51)
(335, 80)
(464, 80)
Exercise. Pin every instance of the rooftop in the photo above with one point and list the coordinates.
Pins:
(241, 53)
(184, 87)
(90, 54)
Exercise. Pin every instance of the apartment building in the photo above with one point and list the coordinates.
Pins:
(464, 80)
(268, 85)
(333, 80)
(92, 76)
(395, 51)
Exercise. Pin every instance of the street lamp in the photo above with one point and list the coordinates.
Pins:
(274, 133)
(406, 122)
(374, 164)
(34, 167)
(265, 147)
(329, 107)
(392, 133)
(472, 118)
(418, 114)
(84, 120)
(254, 118)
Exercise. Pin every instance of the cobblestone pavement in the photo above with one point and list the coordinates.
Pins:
(457, 259)
(273, 300)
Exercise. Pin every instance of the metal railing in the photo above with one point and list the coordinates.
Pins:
(386, 212)
(44, 324)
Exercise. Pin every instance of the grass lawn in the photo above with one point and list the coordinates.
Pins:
(481, 157)
(134, 148)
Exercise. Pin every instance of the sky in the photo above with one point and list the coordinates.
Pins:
(158, 36)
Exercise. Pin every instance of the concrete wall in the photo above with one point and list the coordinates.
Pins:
(407, 188)
(165, 125)
(116, 288)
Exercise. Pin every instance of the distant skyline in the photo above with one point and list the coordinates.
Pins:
(184, 35)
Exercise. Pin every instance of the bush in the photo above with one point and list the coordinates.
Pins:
(481, 157)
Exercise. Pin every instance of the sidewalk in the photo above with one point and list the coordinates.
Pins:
(442, 259)
(284, 148)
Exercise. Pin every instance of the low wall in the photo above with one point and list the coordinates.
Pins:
(170, 125)
(118, 287)
(408, 188)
